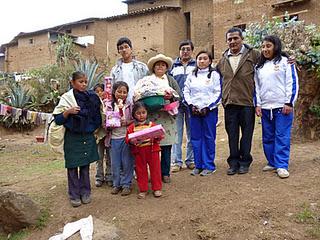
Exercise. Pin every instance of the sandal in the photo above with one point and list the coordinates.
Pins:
(157, 193)
(142, 195)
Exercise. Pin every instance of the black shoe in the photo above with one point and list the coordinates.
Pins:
(243, 170)
(232, 171)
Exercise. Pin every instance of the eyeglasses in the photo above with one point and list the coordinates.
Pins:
(185, 49)
(124, 47)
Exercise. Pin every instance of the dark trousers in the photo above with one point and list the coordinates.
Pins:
(165, 160)
(236, 118)
(78, 182)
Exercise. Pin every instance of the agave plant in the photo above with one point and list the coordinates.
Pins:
(18, 96)
(90, 69)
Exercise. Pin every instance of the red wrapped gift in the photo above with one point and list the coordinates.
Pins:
(152, 132)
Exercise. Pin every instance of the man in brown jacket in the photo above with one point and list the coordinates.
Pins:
(237, 68)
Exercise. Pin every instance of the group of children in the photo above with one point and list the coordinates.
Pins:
(202, 94)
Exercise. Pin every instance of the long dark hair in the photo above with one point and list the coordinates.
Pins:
(115, 86)
(195, 71)
(136, 106)
(277, 52)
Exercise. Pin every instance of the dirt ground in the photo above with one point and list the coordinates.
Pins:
(253, 206)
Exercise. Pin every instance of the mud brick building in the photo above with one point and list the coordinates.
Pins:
(153, 26)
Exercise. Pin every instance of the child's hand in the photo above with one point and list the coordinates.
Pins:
(168, 95)
(123, 122)
(195, 111)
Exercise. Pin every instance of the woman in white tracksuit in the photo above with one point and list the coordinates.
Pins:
(276, 85)
(202, 93)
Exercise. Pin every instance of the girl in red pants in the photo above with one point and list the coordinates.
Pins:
(146, 153)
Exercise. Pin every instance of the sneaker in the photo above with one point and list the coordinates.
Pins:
(282, 173)
(157, 193)
(207, 172)
(268, 168)
(166, 179)
(98, 183)
(86, 199)
(142, 195)
(75, 202)
(125, 191)
(176, 168)
(191, 166)
(196, 171)
(115, 190)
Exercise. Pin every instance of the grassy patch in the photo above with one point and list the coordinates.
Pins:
(306, 215)
(314, 231)
(15, 236)
(43, 219)
(312, 218)
(31, 164)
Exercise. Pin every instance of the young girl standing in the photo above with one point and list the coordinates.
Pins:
(102, 174)
(276, 83)
(80, 148)
(146, 153)
(202, 93)
(122, 161)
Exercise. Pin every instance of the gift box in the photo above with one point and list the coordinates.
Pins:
(152, 132)
(113, 119)
(172, 108)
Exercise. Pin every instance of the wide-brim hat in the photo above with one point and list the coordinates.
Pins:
(159, 57)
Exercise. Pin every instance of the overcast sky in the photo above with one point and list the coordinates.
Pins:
(31, 15)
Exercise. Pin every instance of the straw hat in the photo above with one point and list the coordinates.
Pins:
(157, 58)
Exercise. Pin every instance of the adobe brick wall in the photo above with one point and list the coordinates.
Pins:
(143, 5)
(34, 55)
(145, 32)
(226, 14)
(201, 23)
(311, 16)
(157, 32)
(174, 32)
(101, 45)
(26, 56)
(1, 63)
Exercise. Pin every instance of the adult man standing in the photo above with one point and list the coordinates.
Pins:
(237, 68)
(182, 66)
(127, 68)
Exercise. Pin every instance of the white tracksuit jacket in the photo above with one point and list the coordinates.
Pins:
(202, 91)
(276, 84)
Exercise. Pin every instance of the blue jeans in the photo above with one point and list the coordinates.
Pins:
(122, 163)
(276, 132)
(182, 117)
